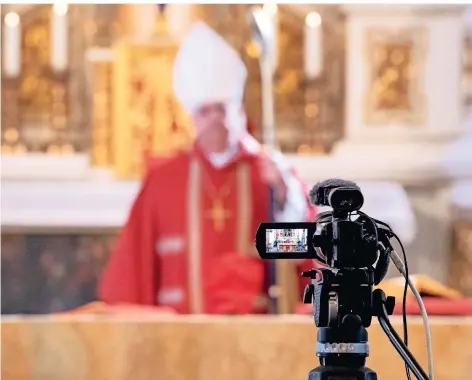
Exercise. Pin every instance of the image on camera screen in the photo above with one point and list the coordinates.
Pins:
(286, 240)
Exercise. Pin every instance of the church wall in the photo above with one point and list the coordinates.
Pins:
(52, 271)
(430, 251)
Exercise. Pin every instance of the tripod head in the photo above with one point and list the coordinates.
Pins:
(355, 252)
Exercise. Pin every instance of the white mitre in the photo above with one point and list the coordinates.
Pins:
(207, 69)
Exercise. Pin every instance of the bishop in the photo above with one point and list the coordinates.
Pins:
(188, 245)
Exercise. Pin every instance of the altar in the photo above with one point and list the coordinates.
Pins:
(206, 348)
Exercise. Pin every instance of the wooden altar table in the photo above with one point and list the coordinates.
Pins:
(81, 347)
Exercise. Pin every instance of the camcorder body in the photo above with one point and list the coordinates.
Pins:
(345, 241)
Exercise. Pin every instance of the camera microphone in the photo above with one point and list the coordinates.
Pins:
(341, 195)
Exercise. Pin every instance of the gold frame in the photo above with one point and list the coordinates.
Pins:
(415, 40)
(155, 62)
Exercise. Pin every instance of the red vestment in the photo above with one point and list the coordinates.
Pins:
(172, 253)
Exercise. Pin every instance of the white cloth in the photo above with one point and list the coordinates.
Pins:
(218, 160)
(207, 69)
(236, 123)
(296, 205)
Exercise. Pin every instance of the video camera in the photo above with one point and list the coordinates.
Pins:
(355, 252)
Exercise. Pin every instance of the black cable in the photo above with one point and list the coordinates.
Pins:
(405, 290)
(400, 346)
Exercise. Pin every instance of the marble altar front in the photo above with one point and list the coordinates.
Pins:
(205, 348)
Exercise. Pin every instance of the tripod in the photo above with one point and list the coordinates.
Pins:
(343, 350)
(355, 254)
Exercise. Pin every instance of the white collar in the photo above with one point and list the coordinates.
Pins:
(218, 160)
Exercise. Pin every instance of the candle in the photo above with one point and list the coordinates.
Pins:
(59, 37)
(12, 45)
(179, 18)
(313, 46)
(145, 20)
(271, 9)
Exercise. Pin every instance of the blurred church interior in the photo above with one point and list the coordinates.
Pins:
(377, 95)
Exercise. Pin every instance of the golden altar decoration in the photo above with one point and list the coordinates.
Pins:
(87, 347)
(27, 99)
(46, 111)
(396, 66)
(101, 118)
(136, 114)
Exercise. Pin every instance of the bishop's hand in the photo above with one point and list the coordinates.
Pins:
(272, 176)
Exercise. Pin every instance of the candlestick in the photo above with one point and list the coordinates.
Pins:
(272, 10)
(12, 45)
(59, 37)
(313, 45)
(59, 121)
(11, 116)
(161, 24)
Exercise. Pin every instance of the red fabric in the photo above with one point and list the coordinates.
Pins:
(311, 211)
(434, 306)
(129, 276)
(302, 308)
(236, 280)
(437, 306)
(154, 162)
(136, 273)
(251, 128)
